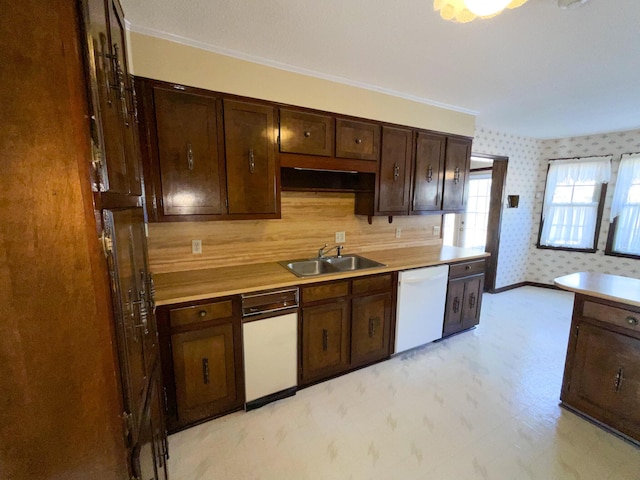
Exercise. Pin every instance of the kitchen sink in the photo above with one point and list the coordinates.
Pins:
(347, 263)
(311, 267)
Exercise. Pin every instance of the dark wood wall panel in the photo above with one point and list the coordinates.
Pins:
(59, 399)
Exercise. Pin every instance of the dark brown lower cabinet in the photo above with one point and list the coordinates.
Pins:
(370, 325)
(325, 347)
(344, 325)
(464, 297)
(602, 371)
(201, 348)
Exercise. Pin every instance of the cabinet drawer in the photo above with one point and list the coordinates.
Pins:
(306, 133)
(357, 140)
(325, 291)
(615, 316)
(181, 317)
(466, 268)
(371, 284)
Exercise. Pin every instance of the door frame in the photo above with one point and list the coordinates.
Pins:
(496, 204)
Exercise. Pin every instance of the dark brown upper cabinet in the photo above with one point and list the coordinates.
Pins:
(357, 140)
(457, 163)
(191, 164)
(429, 172)
(206, 157)
(114, 129)
(306, 133)
(250, 157)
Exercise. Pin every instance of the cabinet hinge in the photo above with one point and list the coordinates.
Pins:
(226, 203)
(278, 140)
(166, 403)
(106, 242)
(577, 330)
(127, 424)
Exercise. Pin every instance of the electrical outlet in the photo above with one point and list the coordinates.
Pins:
(340, 237)
(196, 247)
(436, 230)
(398, 232)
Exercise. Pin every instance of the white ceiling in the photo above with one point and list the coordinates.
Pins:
(536, 71)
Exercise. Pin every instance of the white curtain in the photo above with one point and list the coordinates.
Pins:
(570, 223)
(627, 207)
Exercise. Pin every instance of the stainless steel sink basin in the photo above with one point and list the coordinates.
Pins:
(311, 267)
(348, 263)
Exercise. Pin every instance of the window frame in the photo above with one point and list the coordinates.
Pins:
(599, 215)
(608, 250)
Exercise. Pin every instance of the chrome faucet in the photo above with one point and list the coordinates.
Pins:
(338, 248)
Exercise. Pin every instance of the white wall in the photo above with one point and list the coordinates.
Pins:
(522, 169)
(544, 265)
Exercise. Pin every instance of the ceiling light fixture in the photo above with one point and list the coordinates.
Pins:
(463, 11)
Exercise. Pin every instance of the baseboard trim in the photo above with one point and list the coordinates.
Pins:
(525, 284)
(508, 287)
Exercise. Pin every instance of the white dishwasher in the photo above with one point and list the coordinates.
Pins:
(270, 341)
(422, 294)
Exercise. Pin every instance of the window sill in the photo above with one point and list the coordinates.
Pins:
(623, 255)
(568, 249)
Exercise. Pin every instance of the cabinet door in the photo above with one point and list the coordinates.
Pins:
(150, 453)
(454, 307)
(457, 158)
(395, 171)
(306, 133)
(250, 158)
(325, 340)
(359, 140)
(133, 306)
(473, 287)
(107, 136)
(204, 369)
(605, 378)
(428, 174)
(370, 323)
(122, 79)
(191, 168)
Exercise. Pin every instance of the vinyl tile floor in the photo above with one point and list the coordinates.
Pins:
(481, 405)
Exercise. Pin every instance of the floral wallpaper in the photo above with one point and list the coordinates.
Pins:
(522, 170)
(545, 265)
(519, 260)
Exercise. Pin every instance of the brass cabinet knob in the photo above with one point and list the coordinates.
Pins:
(202, 313)
(633, 321)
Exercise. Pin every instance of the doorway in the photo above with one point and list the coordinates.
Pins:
(479, 226)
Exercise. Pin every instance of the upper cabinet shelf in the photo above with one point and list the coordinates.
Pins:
(214, 156)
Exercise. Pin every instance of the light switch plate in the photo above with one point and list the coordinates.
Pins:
(340, 237)
(196, 247)
(436, 230)
(398, 232)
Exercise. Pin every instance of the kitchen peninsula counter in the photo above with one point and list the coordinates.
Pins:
(193, 285)
(602, 369)
(601, 285)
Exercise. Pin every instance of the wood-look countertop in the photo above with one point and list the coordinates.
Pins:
(602, 285)
(193, 285)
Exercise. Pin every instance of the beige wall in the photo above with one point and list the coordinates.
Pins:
(173, 62)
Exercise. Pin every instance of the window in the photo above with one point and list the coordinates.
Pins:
(624, 234)
(573, 202)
